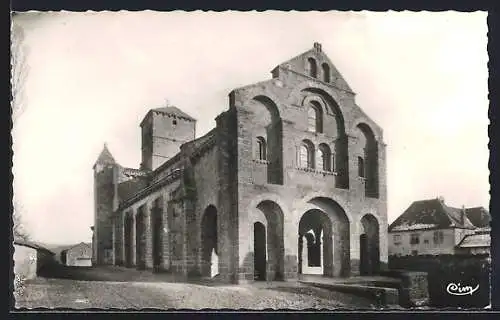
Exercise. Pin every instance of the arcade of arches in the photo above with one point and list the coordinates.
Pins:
(324, 241)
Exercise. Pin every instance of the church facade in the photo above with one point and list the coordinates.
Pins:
(292, 180)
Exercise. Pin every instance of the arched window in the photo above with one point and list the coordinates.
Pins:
(306, 156)
(361, 167)
(261, 148)
(313, 68)
(326, 72)
(324, 158)
(314, 117)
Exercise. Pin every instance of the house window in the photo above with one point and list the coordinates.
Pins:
(326, 72)
(438, 237)
(313, 68)
(261, 148)
(415, 238)
(361, 167)
(426, 240)
(397, 239)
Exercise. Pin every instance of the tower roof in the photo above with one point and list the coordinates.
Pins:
(105, 157)
(174, 111)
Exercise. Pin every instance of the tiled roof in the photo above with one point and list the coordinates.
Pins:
(133, 173)
(201, 140)
(77, 245)
(175, 112)
(478, 216)
(433, 213)
(475, 240)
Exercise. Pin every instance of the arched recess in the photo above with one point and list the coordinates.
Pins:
(369, 243)
(340, 235)
(341, 152)
(140, 238)
(209, 243)
(315, 243)
(156, 221)
(369, 152)
(312, 67)
(259, 248)
(128, 228)
(274, 250)
(326, 72)
(273, 129)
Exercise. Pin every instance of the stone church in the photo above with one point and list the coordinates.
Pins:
(292, 180)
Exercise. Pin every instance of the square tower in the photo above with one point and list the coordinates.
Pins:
(164, 130)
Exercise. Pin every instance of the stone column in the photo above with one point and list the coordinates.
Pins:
(304, 254)
(321, 245)
(133, 242)
(148, 234)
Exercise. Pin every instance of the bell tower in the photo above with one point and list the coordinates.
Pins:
(164, 130)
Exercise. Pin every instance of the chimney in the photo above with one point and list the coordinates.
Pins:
(463, 214)
(441, 199)
(317, 46)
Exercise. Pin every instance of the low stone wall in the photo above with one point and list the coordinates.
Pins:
(414, 287)
(383, 297)
(451, 270)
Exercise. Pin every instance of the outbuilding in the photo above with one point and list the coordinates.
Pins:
(79, 255)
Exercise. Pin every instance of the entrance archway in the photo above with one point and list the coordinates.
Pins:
(259, 245)
(369, 246)
(269, 242)
(209, 250)
(315, 243)
(329, 227)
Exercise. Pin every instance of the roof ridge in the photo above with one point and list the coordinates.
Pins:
(173, 110)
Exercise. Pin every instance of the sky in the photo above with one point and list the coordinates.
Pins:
(93, 76)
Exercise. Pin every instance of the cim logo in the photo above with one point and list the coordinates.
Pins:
(457, 290)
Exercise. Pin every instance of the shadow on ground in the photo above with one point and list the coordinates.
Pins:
(115, 274)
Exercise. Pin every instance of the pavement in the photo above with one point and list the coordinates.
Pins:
(122, 288)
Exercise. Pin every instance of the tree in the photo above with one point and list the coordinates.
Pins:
(19, 69)
(19, 229)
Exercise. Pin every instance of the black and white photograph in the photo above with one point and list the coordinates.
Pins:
(274, 160)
